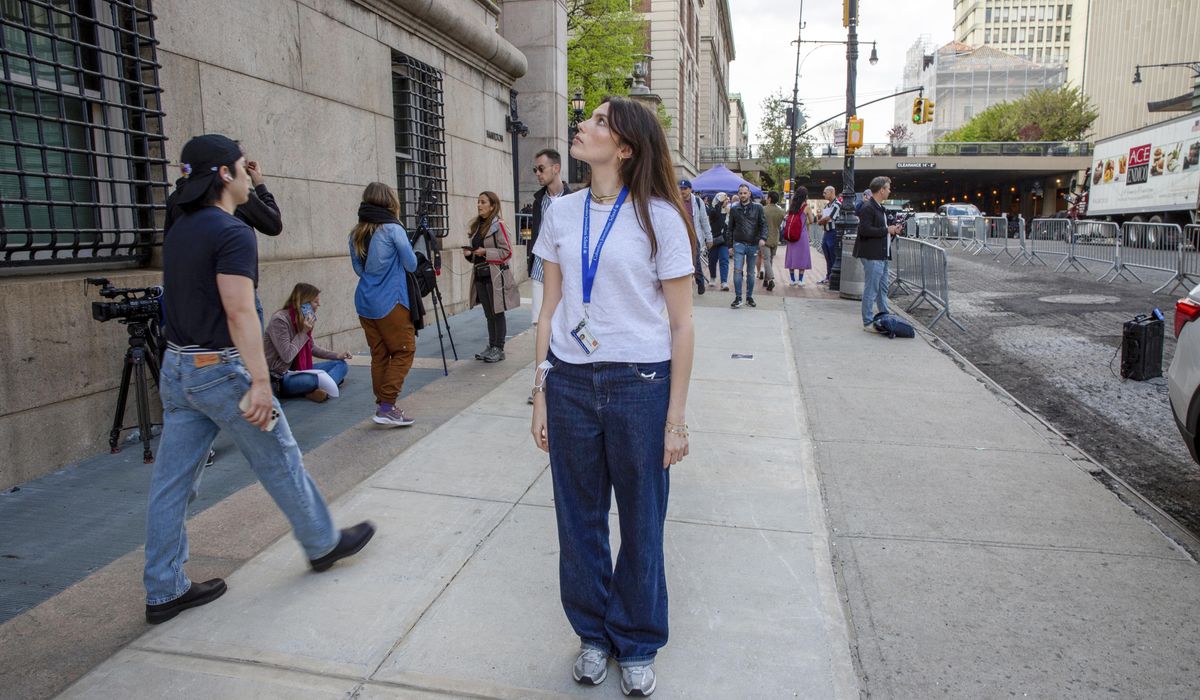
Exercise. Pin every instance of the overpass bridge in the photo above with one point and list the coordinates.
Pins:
(1027, 178)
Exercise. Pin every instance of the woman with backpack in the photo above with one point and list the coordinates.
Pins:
(382, 257)
(718, 214)
(492, 282)
(795, 232)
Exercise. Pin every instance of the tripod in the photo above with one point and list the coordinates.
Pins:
(435, 258)
(145, 349)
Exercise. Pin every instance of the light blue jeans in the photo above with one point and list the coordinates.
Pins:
(875, 285)
(744, 253)
(198, 402)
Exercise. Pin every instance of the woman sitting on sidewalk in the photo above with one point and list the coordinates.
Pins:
(290, 348)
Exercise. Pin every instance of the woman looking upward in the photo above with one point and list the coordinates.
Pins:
(612, 383)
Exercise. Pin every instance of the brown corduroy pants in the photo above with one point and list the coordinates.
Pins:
(393, 343)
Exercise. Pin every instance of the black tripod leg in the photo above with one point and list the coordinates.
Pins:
(447, 320)
(143, 402)
(114, 436)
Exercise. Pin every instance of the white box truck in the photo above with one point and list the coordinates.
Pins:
(1151, 174)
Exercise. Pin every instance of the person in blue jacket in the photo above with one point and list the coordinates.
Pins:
(382, 256)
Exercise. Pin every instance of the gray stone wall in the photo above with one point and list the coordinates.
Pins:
(306, 87)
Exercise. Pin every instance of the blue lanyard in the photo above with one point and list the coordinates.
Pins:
(589, 270)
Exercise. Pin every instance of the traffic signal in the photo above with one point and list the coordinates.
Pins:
(854, 133)
(918, 111)
(927, 112)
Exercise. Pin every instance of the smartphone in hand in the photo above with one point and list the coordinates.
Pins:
(244, 405)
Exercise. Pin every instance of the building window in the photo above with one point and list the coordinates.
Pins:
(987, 36)
(1060, 13)
(987, 15)
(82, 171)
(1041, 12)
(1058, 33)
(1041, 34)
(1067, 33)
(420, 142)
(1005, 12)
(1068, 13)
(1022, 34)
(1023, 11)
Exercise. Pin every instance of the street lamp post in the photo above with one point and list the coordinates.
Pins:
(848, 221)
(795, 105)
(575, 168)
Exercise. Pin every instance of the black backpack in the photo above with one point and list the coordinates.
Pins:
(892, 326)
(425, 274)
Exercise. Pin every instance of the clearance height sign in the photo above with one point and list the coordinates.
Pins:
(1152, 169)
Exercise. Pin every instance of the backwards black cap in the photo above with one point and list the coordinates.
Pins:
(201, 158)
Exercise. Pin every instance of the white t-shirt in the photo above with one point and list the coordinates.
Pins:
(626, 312)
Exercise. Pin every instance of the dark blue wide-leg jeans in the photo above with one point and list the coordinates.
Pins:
(605, 424)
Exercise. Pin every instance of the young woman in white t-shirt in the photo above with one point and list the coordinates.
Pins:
(612, 382)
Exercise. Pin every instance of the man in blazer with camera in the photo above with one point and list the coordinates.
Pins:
(873, 248)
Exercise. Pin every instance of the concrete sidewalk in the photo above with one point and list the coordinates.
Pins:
(859, 517)
(458, 593)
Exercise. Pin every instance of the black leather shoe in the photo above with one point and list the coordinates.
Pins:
(352, 541)
(199, 594)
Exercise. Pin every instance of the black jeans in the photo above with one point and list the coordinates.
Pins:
(496, 323)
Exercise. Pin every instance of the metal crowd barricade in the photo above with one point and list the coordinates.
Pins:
(1149, 246)
(1188, 273)
(1096, 241)
(987, 230)
(1052, 237)
(905, 268)
(923, 269)
(1006, 245)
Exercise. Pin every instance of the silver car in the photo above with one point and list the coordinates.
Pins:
(1183, 377)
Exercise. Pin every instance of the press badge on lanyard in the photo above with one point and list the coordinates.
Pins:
(587, 341)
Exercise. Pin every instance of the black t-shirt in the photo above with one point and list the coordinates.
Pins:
(200, 246)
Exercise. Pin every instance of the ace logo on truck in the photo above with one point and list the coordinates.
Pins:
(1139, 165)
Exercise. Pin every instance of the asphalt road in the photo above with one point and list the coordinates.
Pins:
(1052, 340)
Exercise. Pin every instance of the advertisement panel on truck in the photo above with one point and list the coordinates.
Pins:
(1155, 169)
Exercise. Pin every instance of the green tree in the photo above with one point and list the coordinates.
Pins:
(604, 39)
(774, 141)
(1061, 114)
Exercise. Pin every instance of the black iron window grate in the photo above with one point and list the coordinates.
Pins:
(420, 141)
(82, 167)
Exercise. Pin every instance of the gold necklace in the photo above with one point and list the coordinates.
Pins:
(601, 199)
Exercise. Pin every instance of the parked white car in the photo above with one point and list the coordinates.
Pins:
(1183, 377)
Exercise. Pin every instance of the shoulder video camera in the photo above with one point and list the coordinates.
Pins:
(133, 304)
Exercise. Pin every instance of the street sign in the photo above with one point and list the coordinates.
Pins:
(839, 137)
(781, 160)
(909, 165)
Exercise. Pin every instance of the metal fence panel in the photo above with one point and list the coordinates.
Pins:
(926, 262)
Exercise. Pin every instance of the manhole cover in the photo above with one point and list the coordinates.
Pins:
(1080, 299)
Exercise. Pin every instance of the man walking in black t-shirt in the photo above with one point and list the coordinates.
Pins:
(214, 377)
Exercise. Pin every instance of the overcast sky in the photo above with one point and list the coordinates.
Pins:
(766, 61)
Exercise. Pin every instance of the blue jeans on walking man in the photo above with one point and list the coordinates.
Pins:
(718, 255)
(875, 286)
(744, 253)
(605, 430)
(198, 402)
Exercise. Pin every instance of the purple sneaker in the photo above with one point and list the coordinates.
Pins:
(393, 418)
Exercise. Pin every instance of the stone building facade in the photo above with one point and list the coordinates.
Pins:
(739, 128)
(1042, 31)
(716, 52)
(674, 43)
(328, 95)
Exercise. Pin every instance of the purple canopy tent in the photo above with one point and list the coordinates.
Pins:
(721, 179)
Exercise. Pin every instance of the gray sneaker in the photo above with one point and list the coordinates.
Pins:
(482, 354)
(637, 681)
(493, 354)
(591, 666)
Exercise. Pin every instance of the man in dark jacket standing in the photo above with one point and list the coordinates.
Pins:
(873, 249)
(748, 230)
(547, 168)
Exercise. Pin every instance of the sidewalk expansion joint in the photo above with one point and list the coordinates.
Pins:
(947, 446)
(1005, 545)
(481, 499)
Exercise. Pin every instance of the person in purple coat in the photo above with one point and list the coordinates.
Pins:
(795, 231)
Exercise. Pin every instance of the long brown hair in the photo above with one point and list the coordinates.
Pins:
(481, 225)
(648, 172)
(381, 195)
(302, 293)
